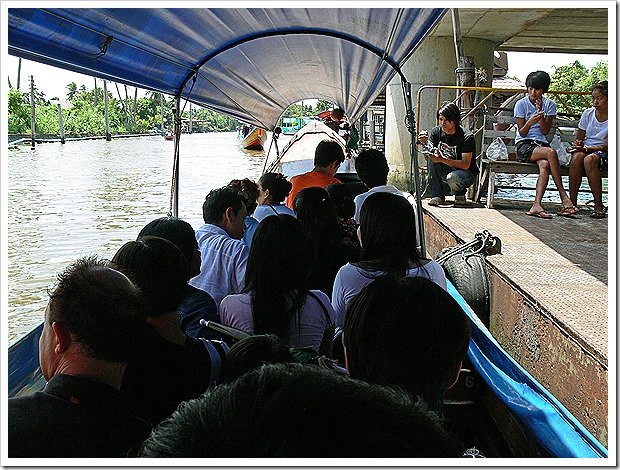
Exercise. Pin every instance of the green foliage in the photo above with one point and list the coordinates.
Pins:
(322, 105)
(576, 77)
(19, 112)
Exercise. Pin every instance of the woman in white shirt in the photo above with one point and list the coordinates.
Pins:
(387, 234)
(274, 300)
(590, 150)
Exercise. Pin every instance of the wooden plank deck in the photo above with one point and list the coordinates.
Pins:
(554, 321)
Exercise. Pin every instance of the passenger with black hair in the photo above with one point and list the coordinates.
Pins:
(89, 335)
(197, 304)
(408, 332)
(372, 169)
(590, 151)
(275, 299)
(224, 256)
(341, 196)
(294, 410)
(252, 352)
(328, 157)
(388, 235)
(249, 189)
(169, 366)
(325, 251)
(272, 190)
(453, 158)
(534, 114)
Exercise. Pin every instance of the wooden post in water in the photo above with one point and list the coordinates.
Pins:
(96, 98)
(62, 127)
(108, 137)
(33, 119)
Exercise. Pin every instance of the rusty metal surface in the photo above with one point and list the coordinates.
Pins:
(561, 264)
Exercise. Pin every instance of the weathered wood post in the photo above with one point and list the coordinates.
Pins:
(161, 108)
(108, 137)
(465, 71)
(191, 120)
(33, 119)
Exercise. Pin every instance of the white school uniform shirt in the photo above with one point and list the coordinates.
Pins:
(223, 262)
(351, 279)
(360, 198)
(525, 108)
(596, 131)
(266, 210)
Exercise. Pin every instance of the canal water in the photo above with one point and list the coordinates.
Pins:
(90, 197)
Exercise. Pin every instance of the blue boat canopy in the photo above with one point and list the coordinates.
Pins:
(250, 63)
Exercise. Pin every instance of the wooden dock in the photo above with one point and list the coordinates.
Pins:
(549, 295)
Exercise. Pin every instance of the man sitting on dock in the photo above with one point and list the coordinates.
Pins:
(88, 335)
(327, 159)
(224, 256)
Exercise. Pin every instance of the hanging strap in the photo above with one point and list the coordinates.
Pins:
(217, 353)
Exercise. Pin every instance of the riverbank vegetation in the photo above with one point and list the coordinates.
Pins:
(83, 111)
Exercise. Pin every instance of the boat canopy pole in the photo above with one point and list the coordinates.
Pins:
(414, 168)
(174, 196)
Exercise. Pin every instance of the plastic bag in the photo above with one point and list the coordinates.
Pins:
(563, 156)
(497, 150)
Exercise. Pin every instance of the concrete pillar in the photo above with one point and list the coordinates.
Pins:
(433, 63)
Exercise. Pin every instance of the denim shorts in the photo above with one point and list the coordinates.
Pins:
(602, 155)
(525, 148)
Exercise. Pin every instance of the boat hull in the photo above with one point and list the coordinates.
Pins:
(254, 139)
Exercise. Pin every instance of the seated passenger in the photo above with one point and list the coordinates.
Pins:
(328, 157)
(249, 189)
(275, 299)
(409, 332)
(169, 366)
(534, 114)
(272, 190)
(372, 169)
(224, 256)
(294, 410)
(454, 159)
(251, 353)
(197, 304)
(590, 151)
(325, 251)
(388, 237)
(91, 323)
(341, 196)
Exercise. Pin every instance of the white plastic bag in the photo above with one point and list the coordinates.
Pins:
(497, 150)
(563, 156)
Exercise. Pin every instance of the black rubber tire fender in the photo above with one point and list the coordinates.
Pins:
(469, 275)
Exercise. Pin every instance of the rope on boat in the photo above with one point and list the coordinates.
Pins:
(483, 242)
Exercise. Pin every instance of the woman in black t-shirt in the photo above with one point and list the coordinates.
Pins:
(450, 151)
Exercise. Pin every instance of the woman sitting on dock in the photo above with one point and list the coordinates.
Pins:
(387, 234)
(272, 190)
(590, 151)
(534, 114)
(275, 299)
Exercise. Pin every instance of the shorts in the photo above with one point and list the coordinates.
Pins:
(526, 147)
(602, 164)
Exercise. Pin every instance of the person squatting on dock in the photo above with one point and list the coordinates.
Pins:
(452, 158)
(590, 151)
(89, 335)
(534, 114)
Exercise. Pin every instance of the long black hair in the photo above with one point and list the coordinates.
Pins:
(388, 234)
(276, 274)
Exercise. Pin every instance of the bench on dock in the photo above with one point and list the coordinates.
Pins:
(505, 128)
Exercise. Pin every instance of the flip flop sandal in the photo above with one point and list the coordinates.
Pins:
(567, 211)
(540, 214)
(598, 215)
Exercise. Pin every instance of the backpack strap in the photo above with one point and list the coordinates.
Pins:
(217, 354)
